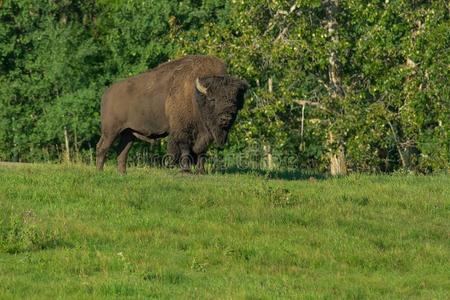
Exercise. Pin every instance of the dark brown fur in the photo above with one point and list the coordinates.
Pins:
(165, 101)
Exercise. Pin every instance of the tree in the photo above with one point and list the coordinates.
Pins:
(49, 57)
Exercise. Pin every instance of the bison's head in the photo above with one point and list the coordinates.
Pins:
(219, 99)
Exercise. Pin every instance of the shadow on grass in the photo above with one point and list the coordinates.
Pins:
(276, 174)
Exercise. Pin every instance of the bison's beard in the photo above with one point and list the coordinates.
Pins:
(220, 138)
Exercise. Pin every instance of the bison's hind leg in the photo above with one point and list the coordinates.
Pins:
(126, 141)
(103, 145)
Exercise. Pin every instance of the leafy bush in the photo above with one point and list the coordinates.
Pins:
(24, 233)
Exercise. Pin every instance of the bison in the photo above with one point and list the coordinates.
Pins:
(192, 100)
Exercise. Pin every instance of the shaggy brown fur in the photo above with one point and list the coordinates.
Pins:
(192, 100)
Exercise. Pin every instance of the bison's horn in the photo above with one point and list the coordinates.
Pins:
(200, 87)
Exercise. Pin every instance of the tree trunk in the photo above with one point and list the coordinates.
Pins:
(338, 165)
(66, 142)
(266, 148)
(269, 158)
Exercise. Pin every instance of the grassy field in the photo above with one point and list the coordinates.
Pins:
(69, 232)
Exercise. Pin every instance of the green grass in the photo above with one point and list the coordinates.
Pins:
(69, 232)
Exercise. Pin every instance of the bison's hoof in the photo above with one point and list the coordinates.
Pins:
(186, 171)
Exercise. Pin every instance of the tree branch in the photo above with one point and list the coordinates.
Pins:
(311, 103)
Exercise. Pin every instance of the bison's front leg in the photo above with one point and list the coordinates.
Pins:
(200, 168)
(187, 158)
(179, 153)
(173, 154)
(200, 148)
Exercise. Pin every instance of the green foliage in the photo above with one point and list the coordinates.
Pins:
(56, 58)
(401, 95)
(50, 66)
(73, 233)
